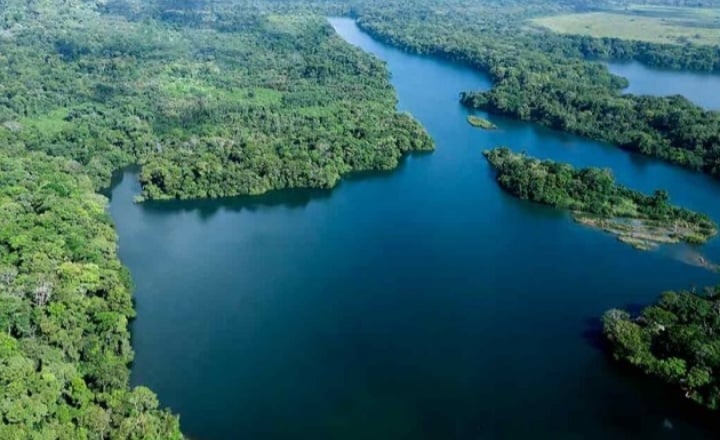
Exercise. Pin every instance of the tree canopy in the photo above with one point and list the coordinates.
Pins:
(65, 302)
(676, 340)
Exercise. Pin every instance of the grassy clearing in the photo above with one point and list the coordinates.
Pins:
(655, 24)
(645, 234)
(50, 123)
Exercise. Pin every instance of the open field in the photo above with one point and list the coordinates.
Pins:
(656, 24)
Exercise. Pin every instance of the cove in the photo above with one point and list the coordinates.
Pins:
(700, 88)
(422, 303)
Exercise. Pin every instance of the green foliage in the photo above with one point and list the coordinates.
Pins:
(64, 308)
(247, 102)
(217, 98)
(676, 340)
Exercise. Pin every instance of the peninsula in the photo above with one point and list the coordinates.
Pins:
(597, 201)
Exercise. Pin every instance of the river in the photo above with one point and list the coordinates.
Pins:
(422, 303)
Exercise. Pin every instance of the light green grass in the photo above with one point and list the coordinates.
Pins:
(479, 122)
(184, 88)
(655, 24)
(50, 123)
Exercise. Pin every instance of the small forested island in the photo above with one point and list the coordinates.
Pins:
(479, 122)
(675, 340)
(595, 200)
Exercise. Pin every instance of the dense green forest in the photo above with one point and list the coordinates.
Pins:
(495, 33)
(241, 104)
(65, 302)
(676, 340)
(553, 80)
(596, 200)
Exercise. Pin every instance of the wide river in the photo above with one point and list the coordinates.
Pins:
(423, 303)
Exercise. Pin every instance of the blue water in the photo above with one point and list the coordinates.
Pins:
(420, 303)
(700, 88)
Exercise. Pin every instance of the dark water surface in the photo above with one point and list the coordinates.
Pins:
(419, 304)
(701, 88)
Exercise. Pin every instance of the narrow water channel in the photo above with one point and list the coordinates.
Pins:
(422, 303)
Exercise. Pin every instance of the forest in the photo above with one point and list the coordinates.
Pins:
(552, 79)
(556, 80)
(670, 128)
(242, 104)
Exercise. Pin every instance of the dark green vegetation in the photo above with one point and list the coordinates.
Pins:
(479, 122)
(65, 303)
(596, 200)
(498, 34)
(676, 340)
(240, 102)
(544, 77)
(329, 317)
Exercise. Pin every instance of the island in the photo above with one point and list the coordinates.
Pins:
(674, 340)
(477, 121)
(596, 200)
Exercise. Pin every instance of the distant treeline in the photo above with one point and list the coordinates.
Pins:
(545, 78)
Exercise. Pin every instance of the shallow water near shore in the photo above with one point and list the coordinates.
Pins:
(420, 303)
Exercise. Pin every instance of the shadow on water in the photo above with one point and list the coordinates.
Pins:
(593, 333)
(292, 198)
(681, 408)
(116, 179)
(295, 198)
